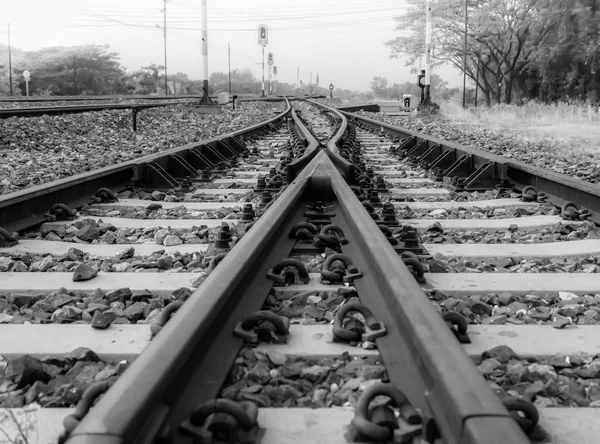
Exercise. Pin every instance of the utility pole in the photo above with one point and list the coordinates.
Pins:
(165, 45)
(9, 63)
(310, 85)
(464, 102)
(229, 62)
(205, 98)
(164, 30)
(427, 81)
(298, 81)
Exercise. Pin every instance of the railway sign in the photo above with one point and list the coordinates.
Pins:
(331, 87)
(263, 35)
(26, 74)
(270, 58)
(275, 70)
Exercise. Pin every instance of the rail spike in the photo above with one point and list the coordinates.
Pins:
(367, 421)
(353, 329)
(289, 271)
(8, 239)
(264, 326)
(339, 268)
(223, 420)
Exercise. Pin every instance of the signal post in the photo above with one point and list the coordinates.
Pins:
(263, 39)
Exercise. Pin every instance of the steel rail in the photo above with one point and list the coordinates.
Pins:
(346, 168)
(26, 208)
(294, 168)
(188, 361)
(93, 98)
(465, 409)
(559, 188)
(36, 111)
(422, 357)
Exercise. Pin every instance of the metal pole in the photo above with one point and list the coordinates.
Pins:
(263, 70)
(229, 59)
(205, 98)
(298, 81)
(270, 88)
(310, 85)
(464, 103)
(9, 63)
(165, 45)
(477, 82)
(427, 81)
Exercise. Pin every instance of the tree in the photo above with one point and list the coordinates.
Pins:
(86, 69)
(526, 47)
(379, 86)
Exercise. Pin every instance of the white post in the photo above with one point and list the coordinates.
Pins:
(27, 88)
(263, 71)
(427, 80)
(205, 98)
(270, 85)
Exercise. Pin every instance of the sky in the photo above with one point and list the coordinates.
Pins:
(342, 40)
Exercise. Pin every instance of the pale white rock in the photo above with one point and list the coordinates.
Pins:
(123, 267)
(566, 296)
(314, 299)
(161, 235)
(172, 240)
(438, 212)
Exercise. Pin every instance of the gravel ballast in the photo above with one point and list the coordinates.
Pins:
(512, 145)
(36, 150)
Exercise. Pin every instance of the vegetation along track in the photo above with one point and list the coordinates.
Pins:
(254, 340)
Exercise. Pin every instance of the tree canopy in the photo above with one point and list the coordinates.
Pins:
(525, 49)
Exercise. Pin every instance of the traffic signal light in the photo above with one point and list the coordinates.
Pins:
(270, 59)
(263, 36)
(420, 78)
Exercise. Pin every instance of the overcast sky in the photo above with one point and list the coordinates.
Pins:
(344, 40)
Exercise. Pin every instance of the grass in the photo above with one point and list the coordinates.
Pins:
(562, 128)
(17, 425)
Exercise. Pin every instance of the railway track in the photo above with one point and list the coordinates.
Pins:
(251, 325)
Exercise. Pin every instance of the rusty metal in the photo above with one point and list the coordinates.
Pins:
(164, 317)
(458, 325)
(223, 236)
(331, 236)
(216, 259)
(248, 214)
(339, 268)
(413, 263)
(304, 231)
(8, 239)
(289, 271)
(105, 195)
(223, 420)
(390, 429)
(60, 211)
(264, 326)
(389, 235)
(524, 413)
(571, 211)
(345, 331)
(84, 405)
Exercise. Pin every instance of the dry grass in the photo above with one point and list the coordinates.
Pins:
(562, 128)
(18, 425)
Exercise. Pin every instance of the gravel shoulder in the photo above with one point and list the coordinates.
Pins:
(572, 153)
(36, 150)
